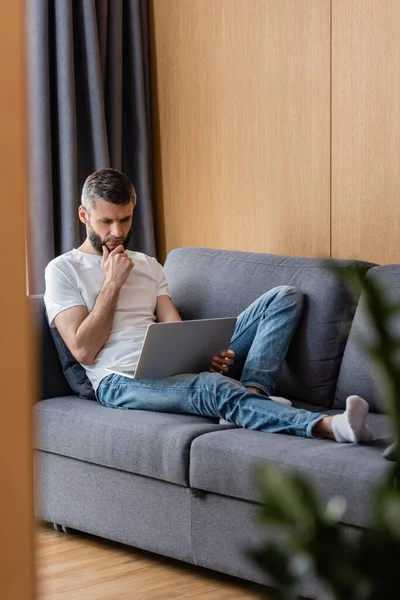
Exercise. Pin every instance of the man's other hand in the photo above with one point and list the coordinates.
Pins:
(116, 265)
(221, 362)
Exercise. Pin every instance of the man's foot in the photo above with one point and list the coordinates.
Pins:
(274, 398)
(351, 425)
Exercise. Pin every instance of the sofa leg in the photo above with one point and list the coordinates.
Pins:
(63, 528)
(67, 530)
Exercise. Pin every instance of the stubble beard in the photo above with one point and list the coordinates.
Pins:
(98, 242)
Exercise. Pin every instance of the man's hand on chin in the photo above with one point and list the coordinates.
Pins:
(116, 265)
(221, 362)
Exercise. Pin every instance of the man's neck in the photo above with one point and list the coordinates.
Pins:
(88, 248)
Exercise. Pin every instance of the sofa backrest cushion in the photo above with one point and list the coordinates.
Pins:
(358, 374)
(74, 373)
(206, 283)
(61, 374)
(52, 382)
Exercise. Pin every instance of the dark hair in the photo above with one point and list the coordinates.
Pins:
(110, 185)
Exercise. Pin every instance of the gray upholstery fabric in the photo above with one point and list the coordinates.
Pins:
(358, 374)
(113, 504)
(208, 283)
(210, 530)
(58, 363)
(143, 442)
(223, 528)
(52, 382)
(390, 452)
(223, 462)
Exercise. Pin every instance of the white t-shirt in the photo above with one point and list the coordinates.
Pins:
(75, 279)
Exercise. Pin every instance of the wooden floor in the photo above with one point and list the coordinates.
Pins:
(85, 567)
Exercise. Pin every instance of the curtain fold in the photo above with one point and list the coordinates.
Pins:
(89, 108)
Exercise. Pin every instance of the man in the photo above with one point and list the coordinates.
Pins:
(101, 297)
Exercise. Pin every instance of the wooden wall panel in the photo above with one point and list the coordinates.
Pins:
(366, 130)
(16, 510)
(241, 98)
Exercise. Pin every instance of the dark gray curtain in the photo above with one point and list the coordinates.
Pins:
(89, 108)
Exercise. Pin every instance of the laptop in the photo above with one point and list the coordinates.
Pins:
(179, 347)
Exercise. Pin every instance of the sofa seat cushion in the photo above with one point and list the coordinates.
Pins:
(223, 462)
(146, 443)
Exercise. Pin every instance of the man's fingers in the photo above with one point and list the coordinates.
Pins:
(220, 367)
(217, 360)
(225, 354)
(222, 371)
(118, 250)
(222, 361)
(106, 253)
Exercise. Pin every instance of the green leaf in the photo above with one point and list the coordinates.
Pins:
(273, 559)
(388, 510)
(288, 500)
(335, 509)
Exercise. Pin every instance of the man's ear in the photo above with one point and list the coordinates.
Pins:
(83, 216)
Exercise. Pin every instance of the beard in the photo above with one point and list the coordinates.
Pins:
(98, 242)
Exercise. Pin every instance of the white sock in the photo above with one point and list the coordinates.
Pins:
(280, 400)
(351, 425)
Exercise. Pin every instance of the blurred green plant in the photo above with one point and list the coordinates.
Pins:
(311, 542)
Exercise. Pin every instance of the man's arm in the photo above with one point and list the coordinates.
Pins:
(86, 333)
(165, 310)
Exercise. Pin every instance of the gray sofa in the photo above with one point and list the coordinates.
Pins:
(183, 486)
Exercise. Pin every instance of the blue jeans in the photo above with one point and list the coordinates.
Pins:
(261, 339)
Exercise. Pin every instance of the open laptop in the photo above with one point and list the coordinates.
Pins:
(179, 347)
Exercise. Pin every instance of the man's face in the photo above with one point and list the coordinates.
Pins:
(108, 224)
